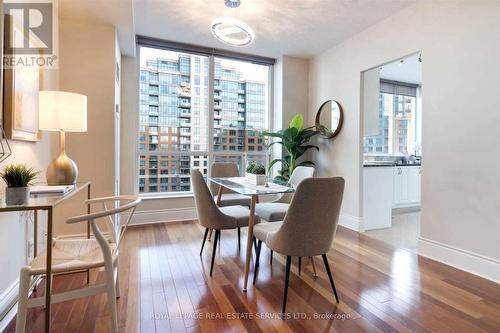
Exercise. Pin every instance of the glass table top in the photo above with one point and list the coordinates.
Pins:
(242, 186)
(42, 201)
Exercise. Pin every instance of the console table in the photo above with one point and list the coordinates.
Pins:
(47, 202)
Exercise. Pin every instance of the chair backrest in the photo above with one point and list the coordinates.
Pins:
(299, 174)
(208, 212)
(311, 220)
(121, 204)
(223, 169)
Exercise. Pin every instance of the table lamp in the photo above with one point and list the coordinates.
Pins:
(64, 112)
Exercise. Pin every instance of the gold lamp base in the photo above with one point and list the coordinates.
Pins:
(62, 170)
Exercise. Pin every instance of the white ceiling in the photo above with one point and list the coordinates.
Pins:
(409, 71)
(300, 28)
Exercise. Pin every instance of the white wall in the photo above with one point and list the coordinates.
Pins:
(461, 79)
(87, 66)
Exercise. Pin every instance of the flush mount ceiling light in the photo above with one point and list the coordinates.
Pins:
(232, 32)
(232, 3)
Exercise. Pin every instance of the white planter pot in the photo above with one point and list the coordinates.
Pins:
(256, 179)
(17, 195)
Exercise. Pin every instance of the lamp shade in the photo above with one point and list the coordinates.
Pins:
(61, 110)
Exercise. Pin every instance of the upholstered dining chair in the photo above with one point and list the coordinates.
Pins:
(228, 198)
(276, 210)
(216, 218)
(78, 254)
(308, 228)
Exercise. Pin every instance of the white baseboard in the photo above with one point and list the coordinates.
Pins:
(164, 215)
(350, 221)
(471, 262)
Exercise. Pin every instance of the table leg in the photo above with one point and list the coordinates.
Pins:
(219, 195)
(249, 241)
(88, 229)
(48, 275)
(35, 233)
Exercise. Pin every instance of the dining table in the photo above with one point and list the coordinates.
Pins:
(242, 186)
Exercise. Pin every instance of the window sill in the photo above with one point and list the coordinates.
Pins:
(161, 196)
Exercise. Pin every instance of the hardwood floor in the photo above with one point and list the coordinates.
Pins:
(165, 287)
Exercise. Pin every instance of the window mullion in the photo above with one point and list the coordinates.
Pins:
(210, 141)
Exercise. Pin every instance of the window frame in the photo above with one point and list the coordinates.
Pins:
(210, 153)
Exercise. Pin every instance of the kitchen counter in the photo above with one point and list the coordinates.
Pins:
(375, 165)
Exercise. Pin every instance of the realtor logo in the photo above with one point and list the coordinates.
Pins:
(29, 33)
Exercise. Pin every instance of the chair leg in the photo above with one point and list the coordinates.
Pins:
(300, 265)
(255, 244)
(287, 278)
(257, 257)
(239, 240)
(117, 281)
(111, 291)
(315, 274)
(327, 266)
(22, 306)
(271, 258)
(204, 239)
(217, 235)
(210, 235)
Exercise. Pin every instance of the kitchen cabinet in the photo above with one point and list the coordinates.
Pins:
(385, 188)
(406, 186)
(377, 197)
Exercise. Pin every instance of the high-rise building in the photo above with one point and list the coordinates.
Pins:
(174, 115)
(397, 121)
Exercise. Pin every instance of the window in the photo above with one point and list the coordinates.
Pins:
(174, 116)
(398, 123)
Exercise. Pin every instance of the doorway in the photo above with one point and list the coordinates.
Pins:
(392, 156)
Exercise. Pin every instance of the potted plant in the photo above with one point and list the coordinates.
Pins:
(256, 174)
(17, 177)
(295, 140)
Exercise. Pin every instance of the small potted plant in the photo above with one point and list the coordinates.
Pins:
(256, 174)
(17, 177)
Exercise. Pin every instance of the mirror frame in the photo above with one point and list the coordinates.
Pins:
(317, 123)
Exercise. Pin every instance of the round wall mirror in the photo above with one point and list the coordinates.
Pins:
(329, 119)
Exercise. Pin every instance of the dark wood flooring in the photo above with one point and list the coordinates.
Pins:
(166, 288)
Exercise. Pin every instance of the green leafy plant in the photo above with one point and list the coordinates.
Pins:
(257, 169)
(18, 175)
(295, 140)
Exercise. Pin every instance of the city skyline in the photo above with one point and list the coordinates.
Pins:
(174, 116)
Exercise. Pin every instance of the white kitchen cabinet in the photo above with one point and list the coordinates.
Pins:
(378, 189)
(406, 186)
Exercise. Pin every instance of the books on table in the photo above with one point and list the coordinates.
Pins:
(49, 189)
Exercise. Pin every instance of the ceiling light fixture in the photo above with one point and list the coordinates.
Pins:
(232, 32)
(232, 3)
